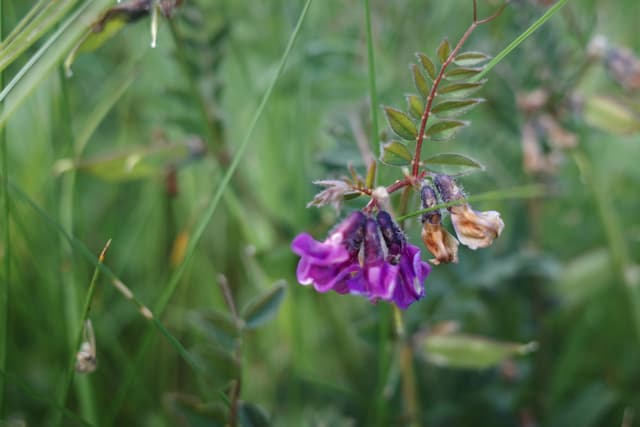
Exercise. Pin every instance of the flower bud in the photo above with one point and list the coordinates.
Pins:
(429, 200)
(435, 238)
(449, 190)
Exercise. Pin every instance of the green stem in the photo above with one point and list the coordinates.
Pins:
(384, 356)
(70, 291)
(407, 373)
(4, 292)
(201, 226)
(68, 378)
(373, 93)
(522, 37)
(523, 192)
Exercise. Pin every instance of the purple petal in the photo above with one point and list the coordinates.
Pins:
(319, 253)
(377, 281)
(413, 272)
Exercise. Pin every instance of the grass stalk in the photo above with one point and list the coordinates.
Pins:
(201, 226)
(373, 92)
(85, 393)
(6, 249)
(68, 378)
(518, 40)
(117, 283)
(384, 319)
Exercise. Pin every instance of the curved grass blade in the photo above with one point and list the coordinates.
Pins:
(36, 23)
(522, 37)
(171, 287)
(47, 57)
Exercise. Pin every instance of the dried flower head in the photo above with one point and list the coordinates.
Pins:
(474, 229)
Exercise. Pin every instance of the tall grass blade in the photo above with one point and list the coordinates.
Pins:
(47, 57)
(518, 40)
(201, 226)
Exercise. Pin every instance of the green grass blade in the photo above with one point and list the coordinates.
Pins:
(201, 226)
(523, 192)
(47, 57)
(86, 253)
(30, 32)
(373, 92)
(18, 29)
(6, 276)
(68, 377)
(518, 40)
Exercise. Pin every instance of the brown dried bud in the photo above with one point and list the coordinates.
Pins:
(440, 243)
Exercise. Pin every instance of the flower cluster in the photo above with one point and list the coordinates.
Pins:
(474, 229)
(364, 256)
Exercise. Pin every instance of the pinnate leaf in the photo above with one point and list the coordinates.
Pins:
(264, 307)
(444, 130)
(427, 64)
(452, 164)
(469, 351)
(467, 59)
(396, 153)
(401, 123)
(454, 107)
(444, 49)
(420, 81)
(415, 106)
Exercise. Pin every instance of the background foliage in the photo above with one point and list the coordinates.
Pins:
(115, 152)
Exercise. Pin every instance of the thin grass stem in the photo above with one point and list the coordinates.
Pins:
(201, 226)
(68, 378)
(518, 40)
(6, 249)
(373, 92)
(523, 192)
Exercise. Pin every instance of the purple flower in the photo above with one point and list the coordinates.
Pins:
(412, 271)
(377, 279)
(329, 264)
(389, 270)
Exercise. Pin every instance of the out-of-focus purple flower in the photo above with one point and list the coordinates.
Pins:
(330, 264)
(377, 279)
(412, 271)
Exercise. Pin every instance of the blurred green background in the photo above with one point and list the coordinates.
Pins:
(133, 147)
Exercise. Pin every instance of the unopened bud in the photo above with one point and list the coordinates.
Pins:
(449, 190)
(429, 200)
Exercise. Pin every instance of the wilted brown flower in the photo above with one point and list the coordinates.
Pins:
(475, 229)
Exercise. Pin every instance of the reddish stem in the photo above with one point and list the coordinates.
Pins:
(432, 93)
